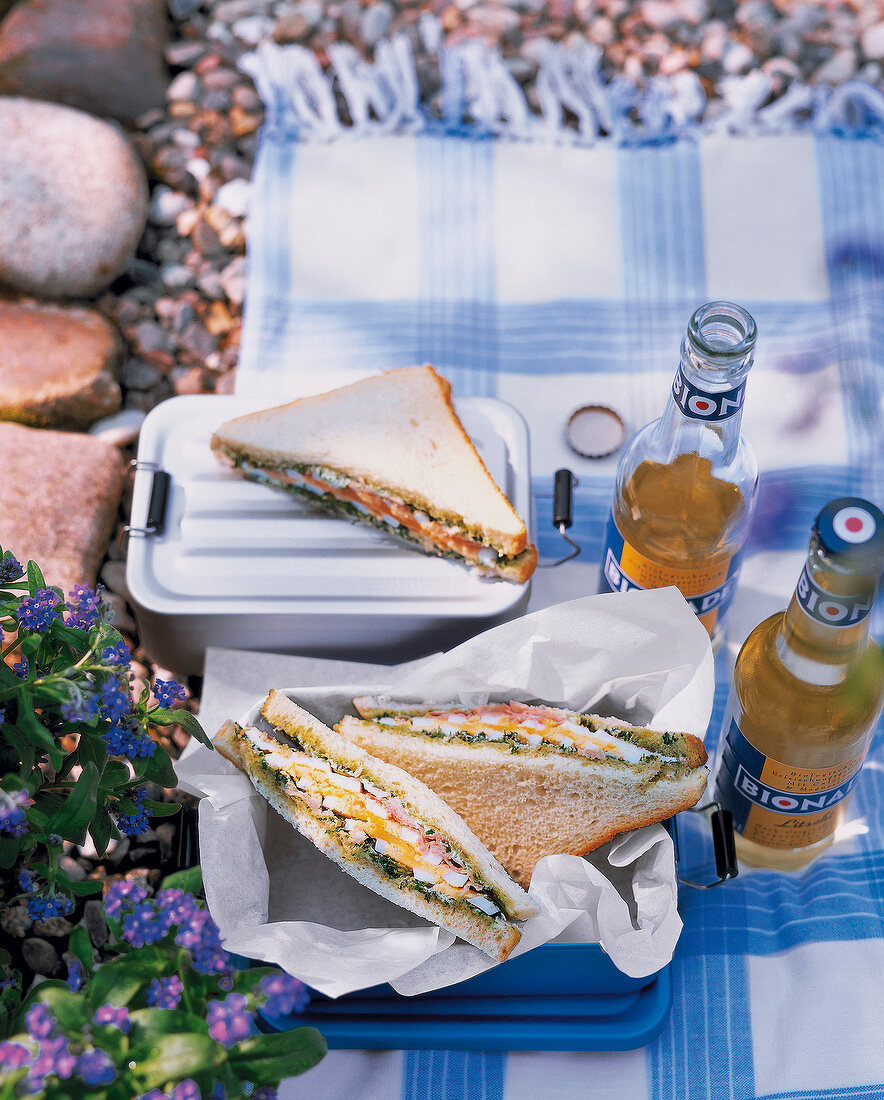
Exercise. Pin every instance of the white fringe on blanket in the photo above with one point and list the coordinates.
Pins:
(577, 105)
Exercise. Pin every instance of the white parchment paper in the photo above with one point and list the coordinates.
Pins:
(641, 656)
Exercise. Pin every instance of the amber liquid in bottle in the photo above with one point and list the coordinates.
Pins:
(686, 483)
(806, 698)
(679, 515)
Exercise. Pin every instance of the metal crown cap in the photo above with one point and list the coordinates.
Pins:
(852, 527)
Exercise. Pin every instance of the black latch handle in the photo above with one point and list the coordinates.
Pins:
(158, 503)
(563, 499)
(722, 822)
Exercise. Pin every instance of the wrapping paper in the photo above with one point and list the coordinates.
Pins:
(642, 656)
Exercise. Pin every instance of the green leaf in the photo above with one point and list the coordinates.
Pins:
(94, 749)
(102, 828)
(81, 946)
(87, 886)
(71, 635)
(244, 981)
(120, 980)
(267, 1059)
(171, 1058)
(71, 820)
(116, 774)
(164, 716)
(67, 1007)
(158, 768)
(35, 577)
(27, 753)
(10, 847)
(189, 880)
(31, 726)
(161, 809)
(166, 1021)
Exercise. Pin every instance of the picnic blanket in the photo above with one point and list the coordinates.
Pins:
(555, 266)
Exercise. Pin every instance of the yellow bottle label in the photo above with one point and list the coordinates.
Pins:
(777, 805)
(708, 589)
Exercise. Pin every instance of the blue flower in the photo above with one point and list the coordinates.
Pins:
(96, 1068)
(39, 1021)
(75, 977)
(186, 1090)
(120, 894)
(83, 607)
(110, 1016)
(228, 1020)
(167, 691)
(203, 939)
(114, 699)
(53, 1056)
(82, 708)
(10, 570)
(116, 654)
(38, 611)
(177, 906)
(128, 740)
(42, 909)
(165, 992)
(135, 823)
(143, 925)
(14, 1055)
(25, 882)
(13, 804)
(266, 1092)
(21, 668)
(285, 994)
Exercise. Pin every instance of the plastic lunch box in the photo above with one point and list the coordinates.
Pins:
(216, 560)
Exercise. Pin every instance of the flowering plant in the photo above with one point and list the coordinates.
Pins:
(75, 747)
(169, 1016)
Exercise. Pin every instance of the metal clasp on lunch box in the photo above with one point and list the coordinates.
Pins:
(722, 825)
(562, 498)
(159, 498)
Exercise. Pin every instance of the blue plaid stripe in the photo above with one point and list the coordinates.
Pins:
(430, 1074)
(455, 321)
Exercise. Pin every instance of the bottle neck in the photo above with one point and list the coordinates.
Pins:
(705, 408)
(825, 628)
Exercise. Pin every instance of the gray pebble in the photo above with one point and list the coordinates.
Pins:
(183, 9)
(138, 375)
(95, 923)
(113, 576)
(54, 926)
(233, 280)
(72, 869)
(40, 956)
(177, 276)
(166, 204)
(186, 85)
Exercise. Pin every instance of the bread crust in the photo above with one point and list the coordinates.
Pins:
(525, 807)
(494, 935)
(458, 486)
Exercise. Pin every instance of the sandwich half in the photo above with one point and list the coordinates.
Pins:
(390, 452)
(382, 826)
(533, 781)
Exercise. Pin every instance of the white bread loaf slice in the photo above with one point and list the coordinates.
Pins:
(530, 801)
(493, 933)
(396, 434)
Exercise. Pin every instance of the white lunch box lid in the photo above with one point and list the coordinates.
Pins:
(231, 546)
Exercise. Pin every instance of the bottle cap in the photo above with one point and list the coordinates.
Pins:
(595, 431)
(851, 527)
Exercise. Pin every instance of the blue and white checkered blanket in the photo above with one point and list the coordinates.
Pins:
(554, 269)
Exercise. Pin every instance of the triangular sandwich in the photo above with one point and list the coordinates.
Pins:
(533, 781)
(388, 451)
(383, 827)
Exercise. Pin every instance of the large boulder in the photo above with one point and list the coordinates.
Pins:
(58, 365)
(103, 56)
(73, 200)
(59, 496)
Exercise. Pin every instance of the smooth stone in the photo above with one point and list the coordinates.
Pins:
(233, 197)
(233, 280)
(58, 367)
(872, 42)
(166, 204)
(59, 496)
(95, 923)
(40, 956)
(73, 200)
(113, 577)
(15, 921)
(103, 56)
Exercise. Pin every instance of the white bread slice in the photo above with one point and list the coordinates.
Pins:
(492, 934)
(397, 432)
(527, 804)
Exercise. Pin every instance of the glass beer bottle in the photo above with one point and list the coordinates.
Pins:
(686, 484)
(807, 691)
